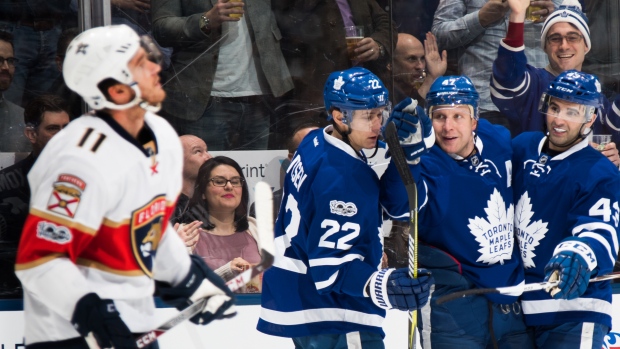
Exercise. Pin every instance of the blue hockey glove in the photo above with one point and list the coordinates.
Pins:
(414, 127)
(572, 264)
(201, 282)
(394, 289)
(99, 316)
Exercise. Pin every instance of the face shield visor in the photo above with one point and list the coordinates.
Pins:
(558, 108)
(153, 53)
(367, 120)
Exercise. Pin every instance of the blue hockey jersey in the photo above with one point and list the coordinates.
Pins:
(516, 88)
(466, 208)
(575, 193)
(328, 244)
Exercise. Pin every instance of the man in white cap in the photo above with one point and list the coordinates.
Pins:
(516, 87)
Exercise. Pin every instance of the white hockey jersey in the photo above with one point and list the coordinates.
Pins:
(98, 222)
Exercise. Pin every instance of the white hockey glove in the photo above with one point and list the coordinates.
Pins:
(201, 282)
(394, 289)
(415, 129)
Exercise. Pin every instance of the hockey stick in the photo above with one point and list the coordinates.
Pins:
(398, 155)
(516, 290)
(264, 220)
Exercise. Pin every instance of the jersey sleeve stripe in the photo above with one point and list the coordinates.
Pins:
(324, 284)
(603, 242)
(335, 260)
(37, 262)
(608, 119)
(597, 225)
(100, 266)
(62, 221)
(510, 48)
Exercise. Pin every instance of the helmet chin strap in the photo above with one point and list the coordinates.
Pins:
(137, 100)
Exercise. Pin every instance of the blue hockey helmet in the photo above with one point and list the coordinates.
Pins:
(354, 89)
(452, 91)
(575, 87)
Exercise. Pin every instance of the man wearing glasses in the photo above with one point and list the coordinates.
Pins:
(516, 87)
(11, 115)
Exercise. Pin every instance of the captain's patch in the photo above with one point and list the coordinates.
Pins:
(146, 229)
(66, 195)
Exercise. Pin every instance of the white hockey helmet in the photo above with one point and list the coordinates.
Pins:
(103, 53)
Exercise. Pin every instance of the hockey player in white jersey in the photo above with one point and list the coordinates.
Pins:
(325, 289)
(97, 239)
(465, 221)
(566, 217)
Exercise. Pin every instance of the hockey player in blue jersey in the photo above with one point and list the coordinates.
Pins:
(566, 217)
(465, 221)
(325, 289)
(516, 86)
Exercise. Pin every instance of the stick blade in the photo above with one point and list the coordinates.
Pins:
(264, 216)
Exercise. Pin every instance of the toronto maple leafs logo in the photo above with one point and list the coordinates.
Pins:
(528, 233)
(338, 83)
(495, 233)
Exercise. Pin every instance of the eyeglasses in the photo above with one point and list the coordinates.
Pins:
(10, 61)
(221, 181)
(557, 39)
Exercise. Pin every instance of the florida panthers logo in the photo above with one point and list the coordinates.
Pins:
(147, 225)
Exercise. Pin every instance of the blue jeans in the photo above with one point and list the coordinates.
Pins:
(228, 124)
(464, 323)
(570, 335)
(361, 340)
(36, 70)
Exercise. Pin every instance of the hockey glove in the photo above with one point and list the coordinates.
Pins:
(201, 282)
(394, 289)
(572, 264)
(99, 316)
(414, 127)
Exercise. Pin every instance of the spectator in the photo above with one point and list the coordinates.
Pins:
(517, 86)
(194, 155)
(59, 87)
(227, 241)
(36, 26)
(411, 60)
(223, 70)
(11, 115)
(576, 237)
(44, 116)
(475, 29)
(313, 40)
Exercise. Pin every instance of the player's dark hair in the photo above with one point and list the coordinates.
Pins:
(8, 37)
(33, 113)
(292, 144)
(198, 208)
(105, 85)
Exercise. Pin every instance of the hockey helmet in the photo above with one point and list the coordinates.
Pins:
(452, 91)
(103, 53)
(355, 89)
(575, 87)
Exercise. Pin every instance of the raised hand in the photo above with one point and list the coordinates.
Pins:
(414, 127)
